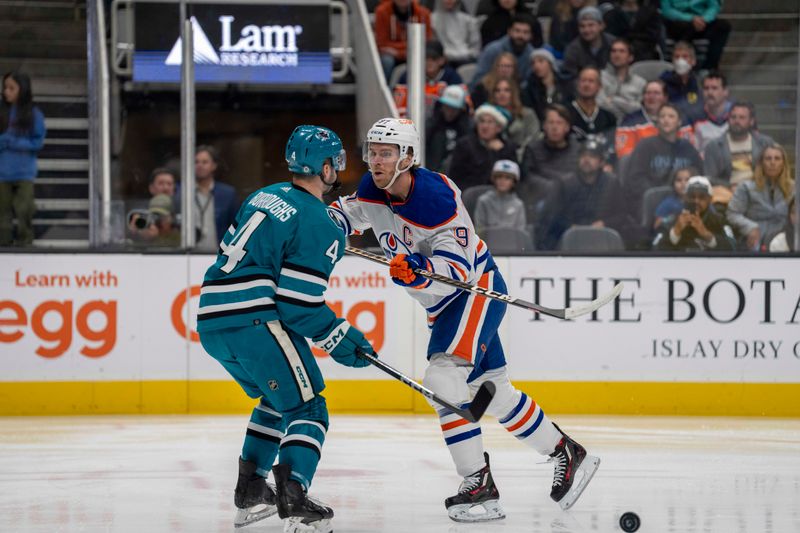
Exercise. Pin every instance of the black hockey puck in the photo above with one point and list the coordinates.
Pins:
(629, 522)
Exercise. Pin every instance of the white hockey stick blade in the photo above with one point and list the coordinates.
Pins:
(583, 476)
(594, 305)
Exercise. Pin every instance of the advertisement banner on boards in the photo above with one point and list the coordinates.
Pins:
(235, 43)
(123, 318)
(678, 319)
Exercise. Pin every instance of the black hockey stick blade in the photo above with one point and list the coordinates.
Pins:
(473, 412)
(564, 314)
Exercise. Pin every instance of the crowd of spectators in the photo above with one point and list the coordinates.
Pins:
(557, 120)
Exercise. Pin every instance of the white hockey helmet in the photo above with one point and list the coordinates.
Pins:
(399, 131)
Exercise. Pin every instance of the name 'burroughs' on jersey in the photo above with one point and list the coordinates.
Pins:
(420, 221)
(260, 302)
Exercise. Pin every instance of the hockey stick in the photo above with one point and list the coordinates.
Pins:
(566, 314)
(473, 412)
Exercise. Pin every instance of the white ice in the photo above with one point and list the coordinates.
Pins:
(392, 473)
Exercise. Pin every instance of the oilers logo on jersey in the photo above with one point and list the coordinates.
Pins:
(391, 244)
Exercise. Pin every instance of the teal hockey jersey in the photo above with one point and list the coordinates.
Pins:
(273, 264)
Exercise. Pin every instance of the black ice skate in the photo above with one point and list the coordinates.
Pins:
(301, 513)
(573, 470)
(477, 499)
(254, 497)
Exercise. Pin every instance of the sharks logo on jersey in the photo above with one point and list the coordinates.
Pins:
(391, 244)
(338, 220)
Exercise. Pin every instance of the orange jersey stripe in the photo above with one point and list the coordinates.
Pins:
(525, 418)
(464, 346)
(457, 423)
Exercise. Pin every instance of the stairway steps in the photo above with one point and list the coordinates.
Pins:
(76, 109)
(66, 244)
(64, 164)
(54, 49)
(58, 204)
(66, 123)
(36, 67)
(61, 152)
(741, 37)
(49, 84)
(42, 31)
(60, 191)
(40, 10)
(61, 181)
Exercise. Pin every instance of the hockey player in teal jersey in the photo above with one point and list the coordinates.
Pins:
(260, 301)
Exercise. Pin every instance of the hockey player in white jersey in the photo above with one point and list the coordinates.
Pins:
(420, 222)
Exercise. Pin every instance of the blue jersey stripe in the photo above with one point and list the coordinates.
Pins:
(455, 439)
(533, 427)
(454, 257)
(516, 410)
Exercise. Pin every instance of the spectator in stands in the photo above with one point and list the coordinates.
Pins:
(555, 156)
(524, 125)
(672, 205)
(155, 226)
(621, 91)
(714, 122)
(162, 180)
(457, 30)
(475, 154)
(730, 158)
(687, 20)
(215, 202)
(760, 206)
(637, 21)
(642, 124)
(784, 241)
(683, 88)
(23, 132)
(517, 42)
(655, 158)
(564, 24)
(589, 120)
(698, 226)
(449, 123)
(544, 86)
(590, 48)
(499, 20)
(438, 75)
(504, 67)
(582, 199)
(391, 20)
(500, 207)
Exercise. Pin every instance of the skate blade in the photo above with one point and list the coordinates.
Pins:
(294, 524)
(245, 517)
(476, 512)
(583, 476)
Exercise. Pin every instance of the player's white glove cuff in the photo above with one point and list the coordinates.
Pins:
(333, 338)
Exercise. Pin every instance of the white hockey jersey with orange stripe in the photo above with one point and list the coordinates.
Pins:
(431, 221)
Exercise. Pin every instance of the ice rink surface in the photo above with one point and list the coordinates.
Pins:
(392, 473)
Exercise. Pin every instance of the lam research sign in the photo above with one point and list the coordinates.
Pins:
(235, 43)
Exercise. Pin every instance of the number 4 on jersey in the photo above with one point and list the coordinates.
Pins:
(235, 250)
(333, 251)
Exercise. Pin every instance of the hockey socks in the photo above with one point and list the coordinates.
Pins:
(528, 423)
(264, 434)
(464, 440)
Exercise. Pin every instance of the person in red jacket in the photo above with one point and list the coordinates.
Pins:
(391, 19)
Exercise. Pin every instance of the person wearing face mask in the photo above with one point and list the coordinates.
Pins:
(692, 19)
(683, 88)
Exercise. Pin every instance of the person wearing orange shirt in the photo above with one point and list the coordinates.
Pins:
(391, 36)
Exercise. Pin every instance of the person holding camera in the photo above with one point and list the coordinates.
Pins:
(156, 225)
(698, 227)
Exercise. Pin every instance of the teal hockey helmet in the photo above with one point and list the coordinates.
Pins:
(309, 147)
